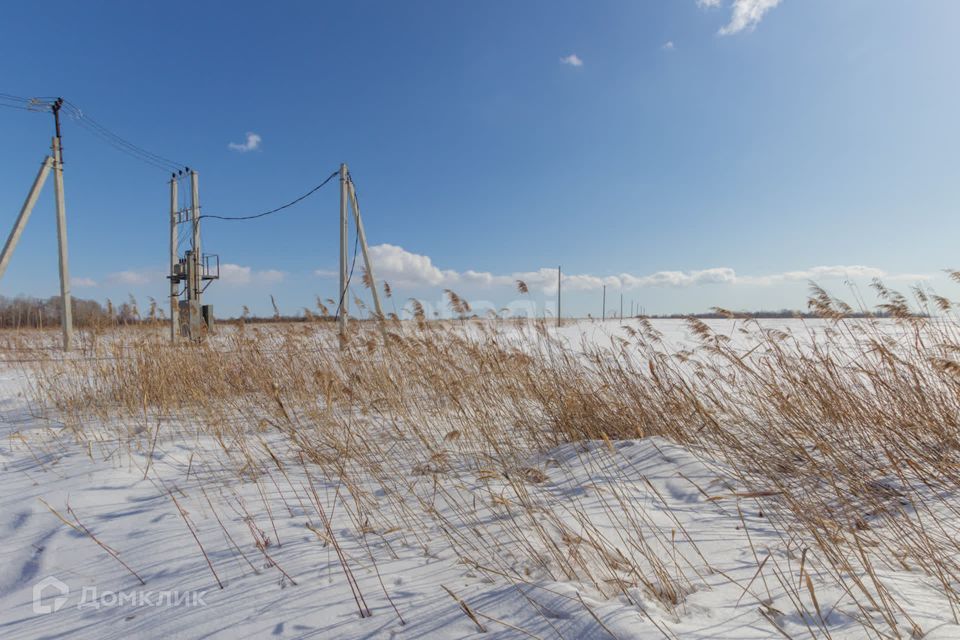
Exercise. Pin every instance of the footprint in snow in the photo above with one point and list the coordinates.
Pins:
(19, 519)
(30, 568)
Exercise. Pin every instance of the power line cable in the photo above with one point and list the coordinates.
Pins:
(92, 125)
(278, 209)
(356, 242)
(40, 105)
(12, 106)
(44, 105)
(24, 107)
(128, 150)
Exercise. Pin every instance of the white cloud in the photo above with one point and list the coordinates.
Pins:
(668, 46)
(395, 264)
(234, 274)
(136, 277)
(573, 60)
(708, 4)
(746, 15)
(270, 276)
(406, 269)
(818, 273)
(717, 275)
(237, 275)
(907, 277)
(83, 282)
(252, 143)
(230, 274)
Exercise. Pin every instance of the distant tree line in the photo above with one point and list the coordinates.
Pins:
(30, 312)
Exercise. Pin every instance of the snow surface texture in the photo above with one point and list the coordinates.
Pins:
(293, 585)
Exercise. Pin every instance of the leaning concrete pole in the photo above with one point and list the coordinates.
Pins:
(66, 311)
(25, 212)
(362, 237)
(344, 304)
(174, 259)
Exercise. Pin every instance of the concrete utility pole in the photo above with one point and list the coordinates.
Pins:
(621, 306)
(195, 282)
(66, 312)
(604, 315)
(558, 297)
(362, 237)
(25, 212)
(55, 162)
(344, 304)
(174, 261)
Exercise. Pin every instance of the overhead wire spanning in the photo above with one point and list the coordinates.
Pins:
(27, 104)
(278, 209)
(45, 105)
(356, 241)
(290, 204)
(121, 144)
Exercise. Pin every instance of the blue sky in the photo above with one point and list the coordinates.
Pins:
(691, 154)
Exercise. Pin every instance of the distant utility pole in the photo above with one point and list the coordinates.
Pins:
(603, 316)
(621, 306)
(558, 297)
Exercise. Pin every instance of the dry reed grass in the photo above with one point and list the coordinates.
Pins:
(844, 434)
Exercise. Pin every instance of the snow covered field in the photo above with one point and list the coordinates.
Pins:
(159, 526)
